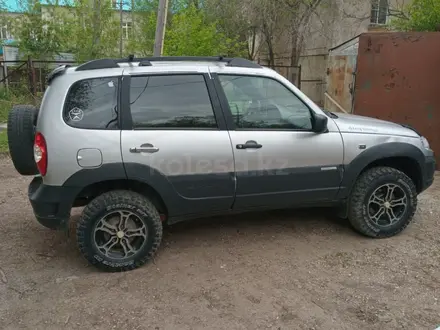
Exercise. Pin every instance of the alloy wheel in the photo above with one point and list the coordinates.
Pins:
(120, 234)
(387, 205)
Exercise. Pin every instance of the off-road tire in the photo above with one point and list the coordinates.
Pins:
(365, 186)
(21, 133)
(112, 201)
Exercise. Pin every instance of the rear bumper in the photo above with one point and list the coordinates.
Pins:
(428, 172)
(51, 204)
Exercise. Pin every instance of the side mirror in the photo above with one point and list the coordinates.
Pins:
(319, 123)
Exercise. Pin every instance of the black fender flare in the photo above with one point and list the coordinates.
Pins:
(221, 196)
(89, 176)
(375, 153)
(116, 171)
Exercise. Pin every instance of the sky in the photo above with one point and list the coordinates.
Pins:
(14, 5)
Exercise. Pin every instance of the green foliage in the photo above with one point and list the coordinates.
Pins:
(92, 30)
(40, 35)
(191, 34)
(190, 31)
(11, 97)
(88, 29)
(141, 41)
(3, 9)
(420, 15)
(4, 142)
(235, 20)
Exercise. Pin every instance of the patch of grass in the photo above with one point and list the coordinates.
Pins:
(4, 109)
(3, 141)
(9, 98)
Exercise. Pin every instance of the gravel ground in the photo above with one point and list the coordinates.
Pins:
(275, 270)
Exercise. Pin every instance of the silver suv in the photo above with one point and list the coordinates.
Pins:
(141, 142)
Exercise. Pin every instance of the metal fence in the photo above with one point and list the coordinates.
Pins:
(30, 73)
(33, 73)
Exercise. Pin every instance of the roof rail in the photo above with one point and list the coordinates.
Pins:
(243, 63)
(234, 61)
(107, 63)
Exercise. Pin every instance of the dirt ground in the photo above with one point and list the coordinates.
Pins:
(274, 270)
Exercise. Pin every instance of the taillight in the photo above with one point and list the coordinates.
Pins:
(40, 153)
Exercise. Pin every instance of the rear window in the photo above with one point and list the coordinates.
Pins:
(93, 104)
(171, 101)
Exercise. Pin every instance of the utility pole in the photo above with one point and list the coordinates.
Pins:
(160, 27)
(121, 30)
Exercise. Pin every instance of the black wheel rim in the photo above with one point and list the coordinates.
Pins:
(120, 235)
(387, 205)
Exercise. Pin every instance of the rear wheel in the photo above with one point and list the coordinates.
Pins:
(383, 202)
(21, 133)
(119, 231)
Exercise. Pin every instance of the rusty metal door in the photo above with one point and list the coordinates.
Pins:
(341, 76)
(398, 79)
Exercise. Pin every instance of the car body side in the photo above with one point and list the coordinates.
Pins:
(351, 145)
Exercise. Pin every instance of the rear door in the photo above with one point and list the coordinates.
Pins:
(174, 138)
(279, 160)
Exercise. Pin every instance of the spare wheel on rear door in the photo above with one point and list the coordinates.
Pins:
(21, 133)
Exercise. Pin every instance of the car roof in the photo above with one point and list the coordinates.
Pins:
(134, 66)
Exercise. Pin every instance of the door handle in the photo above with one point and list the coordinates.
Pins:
(149, 150)
(249, 145)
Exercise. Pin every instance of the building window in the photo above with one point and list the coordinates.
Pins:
(4, 33)
(126, 30)
(379, 11)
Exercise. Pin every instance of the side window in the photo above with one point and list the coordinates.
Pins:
(171, 101)
(258, 102)
(93, 104)
(238, 101)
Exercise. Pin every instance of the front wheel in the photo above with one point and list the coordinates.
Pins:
(119, 231)
(383, 202)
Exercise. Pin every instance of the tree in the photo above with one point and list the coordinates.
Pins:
(191, 33)
(92, 29)
(144, 13)
(271, 18)
(268, 27)
(300, 13)
(39, 34)
(282, 23)
(141, 41)
(88, 29)
(420, 15)
(237, 19)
